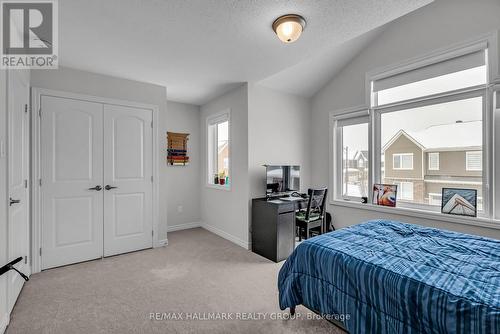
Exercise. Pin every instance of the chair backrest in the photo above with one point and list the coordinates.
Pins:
(317, 200)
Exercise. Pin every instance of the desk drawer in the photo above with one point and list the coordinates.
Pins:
(288, 207)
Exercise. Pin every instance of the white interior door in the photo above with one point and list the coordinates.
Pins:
(18, 169)
(127, 179)
(72, 178)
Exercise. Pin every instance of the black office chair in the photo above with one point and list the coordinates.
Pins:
(314, 216)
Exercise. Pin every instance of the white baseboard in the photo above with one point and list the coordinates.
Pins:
(4, 322)
(161, 243)
(227, 236)
(185, 226)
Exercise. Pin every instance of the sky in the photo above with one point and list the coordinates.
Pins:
(223, 133)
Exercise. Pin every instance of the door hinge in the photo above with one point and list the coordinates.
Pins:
(152, 233)
(40, 182)
(151, 124)
(26, 184)
(40, 112)
(25, 260)
(25, 108)
(40, 251)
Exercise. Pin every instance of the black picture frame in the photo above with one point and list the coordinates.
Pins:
(459, 191)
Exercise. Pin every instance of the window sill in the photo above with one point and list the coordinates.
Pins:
(219, 187)
(474, 221)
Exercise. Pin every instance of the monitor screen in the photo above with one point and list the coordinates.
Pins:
(282, 179)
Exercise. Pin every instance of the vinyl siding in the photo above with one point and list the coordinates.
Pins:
(451, 163)
(403, 145)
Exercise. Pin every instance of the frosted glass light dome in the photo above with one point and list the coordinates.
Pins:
(289, 27)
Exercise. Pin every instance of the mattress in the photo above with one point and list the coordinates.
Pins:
(391, 277)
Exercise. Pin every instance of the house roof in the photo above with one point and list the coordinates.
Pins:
(445, 136)
(361, 154)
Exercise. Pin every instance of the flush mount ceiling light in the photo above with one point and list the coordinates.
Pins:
(289, 27)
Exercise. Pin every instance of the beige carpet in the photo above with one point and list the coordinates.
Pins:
(197, 273)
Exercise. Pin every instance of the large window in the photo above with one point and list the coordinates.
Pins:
(456, 73)
(451, 128)
(218, 150)
(426, 128)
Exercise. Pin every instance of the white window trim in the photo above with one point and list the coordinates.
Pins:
(212, 120)
(335, 160)
(438, 99)
(491, 217)
(400, 156)
(430, 167)
(467, 158)
(488, 41)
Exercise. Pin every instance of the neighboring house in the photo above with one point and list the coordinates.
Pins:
(422, 163)
(356, 174)
(361, 159)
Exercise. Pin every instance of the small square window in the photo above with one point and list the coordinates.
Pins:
(405, 190)
(474, 161)
(433, 160)
(402, 161)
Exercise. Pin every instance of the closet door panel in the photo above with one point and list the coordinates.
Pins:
(72, 178)
(127, 178)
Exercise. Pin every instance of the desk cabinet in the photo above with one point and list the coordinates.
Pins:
(273, 228)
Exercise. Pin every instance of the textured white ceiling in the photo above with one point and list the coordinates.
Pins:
(309, 76)
(201, 48)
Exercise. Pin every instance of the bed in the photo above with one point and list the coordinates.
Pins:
(391, 277)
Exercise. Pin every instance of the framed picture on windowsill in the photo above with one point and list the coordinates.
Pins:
(459, 202)
(385, 194)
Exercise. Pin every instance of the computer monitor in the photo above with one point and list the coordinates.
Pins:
(282, 179)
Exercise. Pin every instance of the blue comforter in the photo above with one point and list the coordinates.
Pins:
(391, 277)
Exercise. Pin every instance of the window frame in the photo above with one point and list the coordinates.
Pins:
(467, 159)
(426, 101)
(212, 155)
(358, 115)
(400, 156)
(429, 167)
(486, 92)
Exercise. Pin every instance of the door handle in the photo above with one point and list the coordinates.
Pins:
(96, 188)
(10, 266)
(108, 187)
(13, 201)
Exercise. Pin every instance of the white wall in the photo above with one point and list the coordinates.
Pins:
(440, 24)
(3, 200)
(266, 127)
(71, 80)
(182, 186)
(226, 212)
(279, 132)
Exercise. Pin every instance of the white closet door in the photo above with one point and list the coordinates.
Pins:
(18, 153)
(72, 177)
(127, 179)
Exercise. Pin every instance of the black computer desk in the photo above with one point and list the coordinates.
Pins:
(273, 226)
